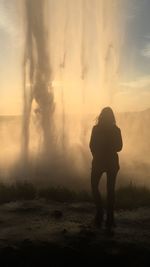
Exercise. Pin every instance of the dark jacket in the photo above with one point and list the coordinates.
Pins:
(105, 142)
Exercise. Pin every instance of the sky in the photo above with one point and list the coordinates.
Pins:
(133, 92)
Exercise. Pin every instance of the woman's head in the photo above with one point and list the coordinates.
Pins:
(106, 117)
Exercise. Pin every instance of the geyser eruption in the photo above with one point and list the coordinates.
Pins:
(111, 31)
(78, 67)
(82, 54)
(37, 74)
(72, 55)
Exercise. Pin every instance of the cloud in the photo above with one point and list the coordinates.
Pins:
(139, 83)
(134, 95)
(9, 21)
(146, 51)
(6, 23)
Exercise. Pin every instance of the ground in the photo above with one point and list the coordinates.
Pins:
(46, 233)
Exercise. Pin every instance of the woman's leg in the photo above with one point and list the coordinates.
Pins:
(95, 178)
(111, 181)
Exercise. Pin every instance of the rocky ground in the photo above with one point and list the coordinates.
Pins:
(43, 233)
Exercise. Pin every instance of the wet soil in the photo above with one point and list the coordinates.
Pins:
(43, 233)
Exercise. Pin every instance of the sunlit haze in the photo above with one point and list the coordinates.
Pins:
(61, 62)
(71, 39)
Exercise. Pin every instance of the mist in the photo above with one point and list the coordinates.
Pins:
(71, 69)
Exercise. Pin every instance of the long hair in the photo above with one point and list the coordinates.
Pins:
(106, 117)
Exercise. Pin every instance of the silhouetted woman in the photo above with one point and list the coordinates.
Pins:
(105, 142)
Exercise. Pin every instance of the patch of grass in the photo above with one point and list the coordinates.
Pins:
(18, 191)
(127, 197)
(131, 197)
(63, 194)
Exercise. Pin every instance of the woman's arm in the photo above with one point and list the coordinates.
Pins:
(92, 141)
(118, 143)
